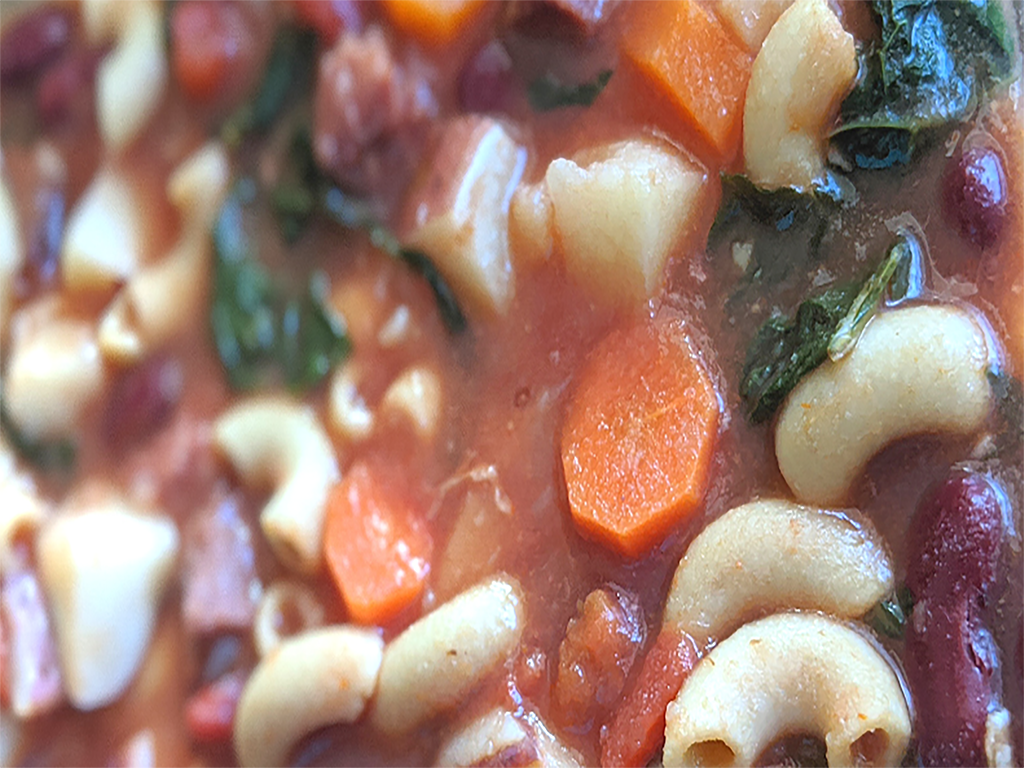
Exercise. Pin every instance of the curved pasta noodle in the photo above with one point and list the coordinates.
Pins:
(415, 395)
(22, 511)
(131, 80)
(104, 567)
(11, 252)
(55, 370)
(347, 411)
(279, 443)
(320, 677)
(162, 298)
(434, 663)
(771, 555)
(915, 370)
(280, 604)
(789, 673)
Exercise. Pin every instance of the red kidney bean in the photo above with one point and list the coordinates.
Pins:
(329, 18)
(65, 93)
(142, 399)
(32, 41)
(975, 195)
(487, 79)
(210, 713)
(955, 537)
(950, 662)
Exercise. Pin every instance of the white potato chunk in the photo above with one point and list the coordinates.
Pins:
(437, 661)
(833, 561)
(11, 252)
(54, 371)
(104, 568)
(805, 67)
(461, 211)
(619, 217)
(789, 673)
(281, 444)
(103, 238)
(751, 20)
(916, 370)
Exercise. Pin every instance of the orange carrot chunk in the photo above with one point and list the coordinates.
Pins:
(377, 551)
(638, 436)
(690, 57)
(638, 729)
(434, 22)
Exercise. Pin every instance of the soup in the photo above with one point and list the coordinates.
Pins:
(527, 383)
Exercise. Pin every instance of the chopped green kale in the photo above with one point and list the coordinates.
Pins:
(548, 92)
(933, 62)
(889, 617)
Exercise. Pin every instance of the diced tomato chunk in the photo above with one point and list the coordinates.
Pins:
(210, 713)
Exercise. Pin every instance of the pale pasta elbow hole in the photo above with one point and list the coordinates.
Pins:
(281, 444)
(789, 673)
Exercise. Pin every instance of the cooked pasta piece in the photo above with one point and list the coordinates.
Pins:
(789, 673)
(805, 67)
(283, 605)
(22, 510)
(162, 298)
(915, 370)
(348, 414)
(834, 561)
(319, 677)
(131, 80)
(415, 395)
(104, 566)
(54, 371)
(12, 254)
(281, 444)
(437, 661)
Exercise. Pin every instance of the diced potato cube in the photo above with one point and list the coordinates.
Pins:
(461, 211)
(618, 218)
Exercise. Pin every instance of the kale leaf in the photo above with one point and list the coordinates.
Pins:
(288, 74)
(889, 616)
(56, 456)
(784, 351)
(258, 330)
(826, 326)
(931, 65)
(548, 92)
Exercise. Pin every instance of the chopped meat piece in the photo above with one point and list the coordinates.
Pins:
(220, 588)
(596, 656)
(177, 470)
(371, 115)
(33, 679)
(210, 713)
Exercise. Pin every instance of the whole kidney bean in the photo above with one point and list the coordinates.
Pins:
(975, 195)
(32, 41)
(142, 399)
(955, 537)
(950, 661)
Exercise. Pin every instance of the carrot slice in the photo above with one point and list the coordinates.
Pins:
(690, 57)
(638, 728)
(639, 436)
(377, 551)
(434, 22)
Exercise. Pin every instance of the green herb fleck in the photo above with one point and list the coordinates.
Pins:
(289, 73)
(889, 617)
(548, 92)
(448, 306)
(258, 332)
